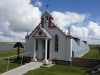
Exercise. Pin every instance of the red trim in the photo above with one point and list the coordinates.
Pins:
(52, 27)
(69, 37)
(36, 31)
(50, 21)
(40, 35)
(33, 31)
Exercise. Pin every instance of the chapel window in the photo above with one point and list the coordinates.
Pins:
(36, 44)
(56, 42)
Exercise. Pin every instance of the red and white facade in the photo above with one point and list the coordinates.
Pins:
(48, 42)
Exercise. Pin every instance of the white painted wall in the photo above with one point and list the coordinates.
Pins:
(68, 50)
(79, 50)
(61, 54)
(40, 51)
(29, 47)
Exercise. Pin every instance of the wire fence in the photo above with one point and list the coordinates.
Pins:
(12, 62)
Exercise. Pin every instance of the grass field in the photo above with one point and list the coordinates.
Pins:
(13, 61)
(7, 42)
(6, 53)
(93, 53)
(58, 70)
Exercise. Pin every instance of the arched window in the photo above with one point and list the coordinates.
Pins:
(36, 44)
(56, 42)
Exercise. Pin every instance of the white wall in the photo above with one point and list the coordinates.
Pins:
(62, 46)
(68, 49)
(79, 49)
(40, 51)
(29, 47)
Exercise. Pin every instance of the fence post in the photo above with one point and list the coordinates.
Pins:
(8, 64)
(31, 57)
(22, 59)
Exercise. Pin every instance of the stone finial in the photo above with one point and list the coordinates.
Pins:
(69, 31)
(27, 32)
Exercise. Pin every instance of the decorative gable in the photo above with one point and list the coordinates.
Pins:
(39, 33)
(49, 24)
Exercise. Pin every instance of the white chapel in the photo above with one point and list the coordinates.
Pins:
(47, 42)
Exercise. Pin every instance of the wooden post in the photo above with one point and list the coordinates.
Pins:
(18, 52)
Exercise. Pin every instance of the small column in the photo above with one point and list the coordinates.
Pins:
(69, 51)
(34, 54)
(45, 61)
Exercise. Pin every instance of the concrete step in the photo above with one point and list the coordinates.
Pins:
(50, 64)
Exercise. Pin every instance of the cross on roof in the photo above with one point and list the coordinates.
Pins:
(47, 6)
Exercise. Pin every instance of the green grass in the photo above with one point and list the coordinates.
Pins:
(13, 61)
(13, 64)
(7, 42)
(58, 70)
(6, 53)
(93, 53)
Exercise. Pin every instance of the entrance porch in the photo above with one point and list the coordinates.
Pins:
(42, 46)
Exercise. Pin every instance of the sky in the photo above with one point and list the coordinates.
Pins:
(18, 16)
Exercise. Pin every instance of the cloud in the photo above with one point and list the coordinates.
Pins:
(16, 16)
(79, 31)
(90, 32)
(94, 29)
(38, 3)
(67, 18)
